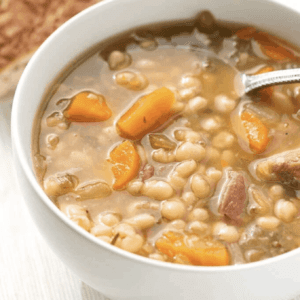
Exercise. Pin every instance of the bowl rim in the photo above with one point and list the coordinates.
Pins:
(20, 154)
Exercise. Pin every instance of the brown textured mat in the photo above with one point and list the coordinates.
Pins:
(24, 25)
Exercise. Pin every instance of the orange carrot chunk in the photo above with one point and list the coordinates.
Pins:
(126, 164)
(88, 107)
(246, 33)
(147, 114)
(172, 245)
(257, 132)
(273, 47)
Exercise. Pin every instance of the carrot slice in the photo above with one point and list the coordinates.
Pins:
(88, 107)
(126, 164)
(246, 33)
(273, 47)
(147, 114)
(257, 132)
(172, 244)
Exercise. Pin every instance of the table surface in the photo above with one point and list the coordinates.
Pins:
(28, 268)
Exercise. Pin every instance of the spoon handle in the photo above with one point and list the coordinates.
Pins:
(252, 82)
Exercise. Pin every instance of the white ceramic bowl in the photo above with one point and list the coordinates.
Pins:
(114, 272)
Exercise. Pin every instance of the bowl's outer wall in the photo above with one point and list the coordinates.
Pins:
(119, 275)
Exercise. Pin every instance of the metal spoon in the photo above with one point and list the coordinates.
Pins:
(246, 83)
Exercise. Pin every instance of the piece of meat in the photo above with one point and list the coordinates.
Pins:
(283, 167)
(147, 172)
(232, 197)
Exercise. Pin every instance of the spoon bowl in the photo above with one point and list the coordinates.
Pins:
(245, 83)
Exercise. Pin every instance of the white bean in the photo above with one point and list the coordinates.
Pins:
(178, 107)
(285, 210)
(189, 93)
(189, 198)
(198, 214)
(214, 174)
(226, 233)
(157, 256)
(142, 221)
(188, 136)
(224, 104)
(79, 216)
(119, 60)
(132, 243)
(158, 190)
(134, 187)
(200, 186)
(93, 190)
(198, 227)
(52, 140)
(148, 248)
(211, 124)
(172, 209)
(176, 181)
(195, 104)
(276, 192)
(178, 224)
(101, 229)
(264, 170)
(132, 81)
(223, 140)
(82, 221)
(163, 156)
(110, 219)
(188, 81)
(268, 222)
(123, 229)
(59, 184)
(186, 168)
(188, 150)
(148, 45)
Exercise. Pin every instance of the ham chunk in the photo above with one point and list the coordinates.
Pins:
(283, 167)
(231, 197)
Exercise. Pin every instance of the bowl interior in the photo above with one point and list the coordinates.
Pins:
(110, 18)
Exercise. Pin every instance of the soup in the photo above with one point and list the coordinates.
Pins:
(146, 144)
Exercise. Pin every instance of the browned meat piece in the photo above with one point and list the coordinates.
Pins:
(232, 197)
(283, 167)
(147, 172)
